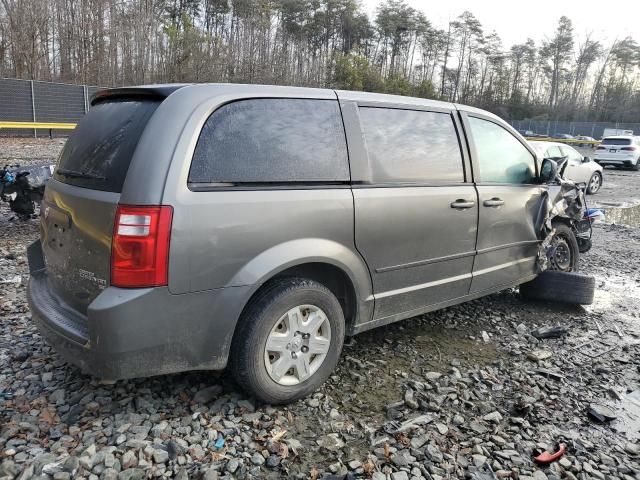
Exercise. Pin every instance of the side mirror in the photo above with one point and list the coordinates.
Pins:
(586, 159)
(548, 171)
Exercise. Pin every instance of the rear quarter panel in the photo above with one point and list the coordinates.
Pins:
(235, 237)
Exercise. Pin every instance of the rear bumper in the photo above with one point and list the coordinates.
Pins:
(129, 333)
(619, 163)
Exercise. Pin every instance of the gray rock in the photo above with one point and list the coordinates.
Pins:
(108, 474)
(272, 461)
(539, 355)
(232, 465)
(478, 427)
(494, 417)
(434, 454)
(400, 476)
(160, 456)
(210, 474)
(632, 449)
(539, 475)
(432, 376)
(331, 442)
(132, 474)
(378, 476)
(402, 459)
(57, 396)
(129, 459)
(207, 394)
(522, 329)
(257, 459)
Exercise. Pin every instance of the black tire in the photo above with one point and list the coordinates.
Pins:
(565, 244)
(260, 317)
(636, 167)
(565, 287)
(590, 190)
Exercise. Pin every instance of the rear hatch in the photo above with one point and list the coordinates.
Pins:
(616, 148)
(80, 202)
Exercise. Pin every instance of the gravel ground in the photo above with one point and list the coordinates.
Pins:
(466, 392)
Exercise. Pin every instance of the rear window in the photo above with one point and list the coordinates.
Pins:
(411, 146)
(98, 152)
(271, 140)
(616, 141)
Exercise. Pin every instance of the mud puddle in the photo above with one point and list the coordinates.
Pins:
(621, 214)
(628, 421)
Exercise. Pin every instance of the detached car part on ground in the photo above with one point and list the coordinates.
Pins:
(188, 227)
(23, 187)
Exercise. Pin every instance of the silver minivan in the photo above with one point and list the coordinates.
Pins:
(195, 227)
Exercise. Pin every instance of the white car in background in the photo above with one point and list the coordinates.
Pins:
(619, 151)
(579, 168)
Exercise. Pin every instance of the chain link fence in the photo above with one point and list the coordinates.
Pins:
(589, 129)
(35, 101)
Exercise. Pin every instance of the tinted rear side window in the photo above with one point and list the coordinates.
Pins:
(272, 141)
(98, 152)
(411, 146)
(616, 141)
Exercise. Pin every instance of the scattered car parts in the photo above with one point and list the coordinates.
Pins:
(23, 187)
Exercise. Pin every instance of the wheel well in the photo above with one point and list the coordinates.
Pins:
(332, 277)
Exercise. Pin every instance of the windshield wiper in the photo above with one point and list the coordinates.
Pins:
(75, 174)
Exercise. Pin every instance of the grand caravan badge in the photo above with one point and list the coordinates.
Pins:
(101, 282)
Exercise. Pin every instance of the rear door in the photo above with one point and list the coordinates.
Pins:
(509, 201)
(415, 214)
(80, 200)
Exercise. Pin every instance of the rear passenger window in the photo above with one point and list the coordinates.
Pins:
(411, 145)
(272, 141)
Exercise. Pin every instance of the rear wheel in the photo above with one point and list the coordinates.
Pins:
(288, 341)
(595, 182)
(636, 167)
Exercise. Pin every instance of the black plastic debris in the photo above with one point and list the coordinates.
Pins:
(549, 332)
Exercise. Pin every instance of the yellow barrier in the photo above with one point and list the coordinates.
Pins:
(43, 125)
(40, 125)
(564, 140)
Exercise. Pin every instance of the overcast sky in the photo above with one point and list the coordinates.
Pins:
(515, 21)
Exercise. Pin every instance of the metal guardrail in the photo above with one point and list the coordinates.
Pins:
(39, 125)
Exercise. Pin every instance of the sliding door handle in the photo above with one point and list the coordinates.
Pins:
(494, 202)
(462, 204)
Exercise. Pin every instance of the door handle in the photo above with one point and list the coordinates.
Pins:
(461, 204)
(494, 202)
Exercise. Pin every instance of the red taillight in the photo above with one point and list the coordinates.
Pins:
(140, 247)
(601, 148)
(628, 149)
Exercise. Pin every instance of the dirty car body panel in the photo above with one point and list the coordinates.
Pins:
(404, 245)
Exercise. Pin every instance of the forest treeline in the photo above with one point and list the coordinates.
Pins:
(322, 43)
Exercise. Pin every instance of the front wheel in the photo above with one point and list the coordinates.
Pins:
(564, 249)
(288, 341)
(595, 182)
